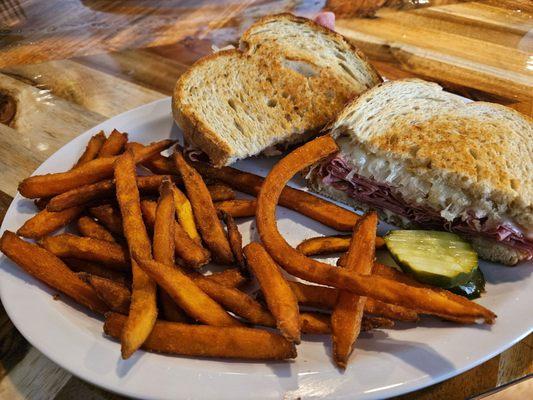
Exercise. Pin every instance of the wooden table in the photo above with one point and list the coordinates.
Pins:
(66, 65)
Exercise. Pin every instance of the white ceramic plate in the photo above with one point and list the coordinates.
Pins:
(385, 363)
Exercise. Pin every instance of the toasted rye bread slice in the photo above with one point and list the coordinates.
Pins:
(438, 152)
(289, 78)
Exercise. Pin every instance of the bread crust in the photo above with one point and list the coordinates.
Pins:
(482, 149)
(199, 135)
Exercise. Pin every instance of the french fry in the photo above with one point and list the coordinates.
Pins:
(100, 190)
(315, 323)
(315, 296)
(46, 267)
(187, 294)
(143, 306)
(239, 303)
(91, 151)
(294, 262)
(238, 208)
(370, 323)
(279, 297)
(169, 310)
(324, 245)
(220, 192)
(348, 312)
(393, 274)
(164, 224)
(143, 311)
(86, 248)
(90, 172)
(90, 228)
(235, 240)
(163, 247)
(46, 222)
(190, 252)
(184, 215)
(229, 277)
(92, 268)
(160, 165)
(108, 216)
(113, 144)
(209, 341)
(325, 298)
(305, 203)
(205, 214)
(41, 203)
(115, 295)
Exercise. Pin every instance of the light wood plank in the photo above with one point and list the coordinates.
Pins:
(507, 19)
(25, 154)
(43, 120)
(516, 362)
(139, 66)
(463, 386)
(34, 378)
(84, 86)
(390, 26)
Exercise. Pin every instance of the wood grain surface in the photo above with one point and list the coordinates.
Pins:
(66, 65)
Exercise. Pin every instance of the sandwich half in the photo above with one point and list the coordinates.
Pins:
(424, 158)
(286, 81)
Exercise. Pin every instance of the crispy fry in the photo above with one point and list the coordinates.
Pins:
(230, 277)
(90, 172)
(49, 269)
(279, 297)
(93, 147)
(325, 298)
(220, 192)
(184, 215)
(100, 190)
(370, 323)
(163, 242)
(238, 208)
(187, 294)
(324, 245)
(90, 228)
(113, 144)
(163, 246)
(239, 303)
(86, 248)
(205, 214)
(41, 203)
(169, 310)
(348, 312)
(160, 165)
(96, 269)
(46, 222)
(115, 295)
(305, 203)
(390, 311)
(315, 323)
(235, 240)
(143, 311)
(209, 341)
(386, 290)
(143, 307)
(108, 216)
(393, 274)
(190, 252)
(315, 296)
